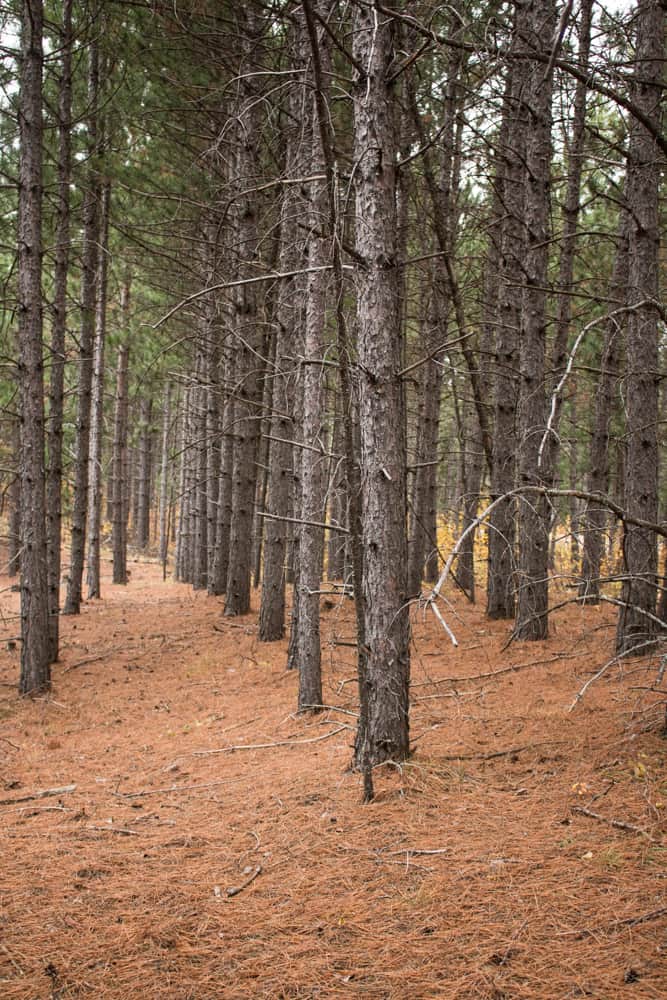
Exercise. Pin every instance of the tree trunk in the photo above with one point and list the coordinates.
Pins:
(500, 597)
(224, 510)
(35, 673)
(14, 492)
(145, 449)
(164, 482)
(248, 374)
(119, 471)
(423, 505)
(575, 163)
(58, 333)
(97, 404)
(642, 377)
(87, 335)
(384, 725)
(537, 24)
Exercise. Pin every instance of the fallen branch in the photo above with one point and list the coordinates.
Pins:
(497, 673)
(644, 918)
(610, 663)
(114, 829)
(412, 851)
(269, 746)
(64, 790)
(501, 753)
(94, 659)
(236, 889)
(617, 823)
(169, 789)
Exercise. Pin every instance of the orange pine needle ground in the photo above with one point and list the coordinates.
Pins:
(471, 875)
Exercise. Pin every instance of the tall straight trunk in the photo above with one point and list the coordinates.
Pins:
(35, 673)
(218, 580)
(536, 23)
(119, 471)
(337, 502)
(97, 404)
(262, 484)
(642, 375)
(213, 448)
(472, 469)
(14, 496)
(501, 597)
(200, 503)
(179, 560)
(594, 516)
(54, 474)
(163, 543)
(314, 454)
(249, 376)
(87, 336)
(423, 505)
(313, 477)
(143, 480)
(571, 208)
(384, 723)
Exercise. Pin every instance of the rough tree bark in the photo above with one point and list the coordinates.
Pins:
(384, 724)
(164, 481)
(54, 473)
(595, 517)
(143, 479)
(536, 23)
(97, 403)
(248, 373)
(423, 504)
(119, 471)
(35, 675)
(88, 297)
(575, 149)
(642, 375)
(501, 598)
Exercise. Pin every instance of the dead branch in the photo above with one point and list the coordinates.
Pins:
(235, 890)
(644, 918)
(610, 663)
(497, 673)
(501, 753)
(114, 829)
(269, 746)
(168, 790)
(616, 823)
(64, 790)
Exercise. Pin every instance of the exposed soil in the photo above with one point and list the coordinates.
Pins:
(189, 862)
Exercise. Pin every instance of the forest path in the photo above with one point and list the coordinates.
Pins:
(172, 871)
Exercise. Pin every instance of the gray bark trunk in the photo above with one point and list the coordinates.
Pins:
(642, 376)
(224, 509)
(423, 505)
(594, 517)
(537, 23)
(501, 598)
(119, 471)
(87, 335)
(35, 673)
(248, 373)
(144, 462)
(384, 724)
(58, 332)
(97, 405)
(164, 481)
(575, 164)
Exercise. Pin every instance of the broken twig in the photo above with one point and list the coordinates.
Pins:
(64, 790)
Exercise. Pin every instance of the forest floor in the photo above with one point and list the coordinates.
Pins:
(206, 842)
